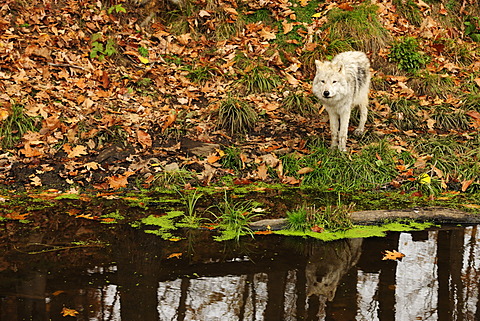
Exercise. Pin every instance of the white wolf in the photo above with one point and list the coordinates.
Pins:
(340, 85)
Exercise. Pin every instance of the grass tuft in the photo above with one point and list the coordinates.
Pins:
(236, 116)
(15, 126)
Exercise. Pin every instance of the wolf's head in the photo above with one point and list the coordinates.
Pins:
(330, 83)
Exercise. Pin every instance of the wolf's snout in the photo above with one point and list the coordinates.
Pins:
(326, 94)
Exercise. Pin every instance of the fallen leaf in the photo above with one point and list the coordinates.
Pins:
(66, 312)
(317, 229)
(170, 120)
(16, 216)
(267, 232)
(213, 158)
(144, 138)
(466, 184)
(473, 206)
(424, 178)
(477, 81)
(75, 151)
(119, 181)
(177, 255)
(262, 172)
(267, 35)
(392, 255)
(287, 26)
(305, 170)
(29, 151)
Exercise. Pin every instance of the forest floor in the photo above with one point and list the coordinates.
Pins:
(110, 98)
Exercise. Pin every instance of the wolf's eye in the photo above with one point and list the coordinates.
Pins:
(334, 81)
(322, 81)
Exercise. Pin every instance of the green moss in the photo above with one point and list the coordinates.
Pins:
(359, 231)
(68, 197)
(165, 224)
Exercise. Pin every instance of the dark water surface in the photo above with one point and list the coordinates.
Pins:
(140, 277)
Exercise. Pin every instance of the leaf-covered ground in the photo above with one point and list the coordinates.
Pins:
(115, 95)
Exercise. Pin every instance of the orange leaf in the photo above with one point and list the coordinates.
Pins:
(466, 184)
(213, 158)
(477, 81)
(266, 34)
(16, 216)
(86, 216)
(317, 229)
(177, 255)
(263, 232)
(474, 206)
(66, 312)
(392, 255)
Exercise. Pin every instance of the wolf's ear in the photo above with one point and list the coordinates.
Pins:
(340, 68)
(319, 64)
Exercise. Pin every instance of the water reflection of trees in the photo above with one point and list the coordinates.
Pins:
(271, 279)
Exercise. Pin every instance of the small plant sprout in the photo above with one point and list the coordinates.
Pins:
(190, 200)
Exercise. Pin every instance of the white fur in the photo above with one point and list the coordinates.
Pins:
(340, 85)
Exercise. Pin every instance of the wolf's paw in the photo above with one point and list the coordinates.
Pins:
(358, 132)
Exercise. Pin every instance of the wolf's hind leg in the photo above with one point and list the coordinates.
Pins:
(363, 119)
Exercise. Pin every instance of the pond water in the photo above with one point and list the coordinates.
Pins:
(139, 277)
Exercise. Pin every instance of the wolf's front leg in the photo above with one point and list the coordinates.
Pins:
(342, 134)
(334, 120)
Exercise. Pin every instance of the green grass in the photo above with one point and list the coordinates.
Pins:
(258, 78)
(371, 168)
(15, 126)
(191, 218)
(236, 116)
(300, 103)
(332, 218)
(234, 218)
(232, 158)
(406, 53)
(361, 24)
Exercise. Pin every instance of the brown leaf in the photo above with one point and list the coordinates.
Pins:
(262, 172)
(119, 181)
(75, 151)
(29, 151)
(477, 81)
(267, 34)
(305, 170)
(144, 138)
(287, 26)
(170, 120)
